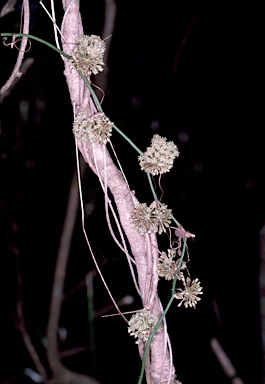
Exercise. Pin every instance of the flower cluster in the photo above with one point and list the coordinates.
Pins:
(153, 219)
(168, 265)
(189, 295)
(94, 129)
(88, 54)
(159, 157)
(142, 324)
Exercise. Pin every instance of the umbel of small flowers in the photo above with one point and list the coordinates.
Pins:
(94, 129)
(189, 295)
(88, 54)
(153, 219)
(159, 157)
(142, 324)
(168, 265)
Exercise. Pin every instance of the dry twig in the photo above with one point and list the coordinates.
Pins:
(8, 7)
(16, 73)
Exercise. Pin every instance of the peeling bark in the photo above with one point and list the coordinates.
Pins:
(143, 248)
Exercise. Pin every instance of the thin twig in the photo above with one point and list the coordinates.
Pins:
(21, 323)
(8, 7)
(22, 49)
(26, 65)
(88, 243)
(59, 276)
(109, 22)
(225, 362)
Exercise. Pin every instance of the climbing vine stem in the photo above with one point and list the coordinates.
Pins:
(94, 96)
(99, 107)
(7, 34)
(164, 313)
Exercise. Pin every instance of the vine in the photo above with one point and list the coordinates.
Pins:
(93, 130)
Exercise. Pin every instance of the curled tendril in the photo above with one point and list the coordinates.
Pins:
(14, 41)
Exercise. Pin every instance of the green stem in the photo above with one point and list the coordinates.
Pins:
(155, 195)
(164, 313)
(95, 98)
(97, 102)
(6, 34)
(91, 90)
(128, 140)
(152, 187)
(93, 94)
(175, 220)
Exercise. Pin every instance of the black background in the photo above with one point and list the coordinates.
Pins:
(189, 71)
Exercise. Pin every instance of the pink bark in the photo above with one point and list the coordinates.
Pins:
(143, 248)
(15, 73)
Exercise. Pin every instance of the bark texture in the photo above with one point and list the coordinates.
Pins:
(143, 248)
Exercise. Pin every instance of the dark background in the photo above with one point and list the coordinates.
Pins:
(189, 71)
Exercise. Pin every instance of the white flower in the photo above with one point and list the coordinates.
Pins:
(88, 54)
(153, 219)
(162, 216)
(189, 295)
(142, 324)
(159, 157)
(142, 220)
(94, 129)
(168, 265)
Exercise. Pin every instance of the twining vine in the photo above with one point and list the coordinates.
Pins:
(88, 58)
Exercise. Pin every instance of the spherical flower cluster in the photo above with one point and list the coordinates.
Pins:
(189, 295)
(162, 216)
(88, 54)
(168, 265)
(142, 324)
(153, 219)
(159, 157)
(94, 129)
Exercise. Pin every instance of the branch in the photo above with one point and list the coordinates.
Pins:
(23, 69)
(60, 373)
(144, 248)
(59, 277)
(109, 21)
(225, 362)
(21, 323)
(8, 7)
(22, 49)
